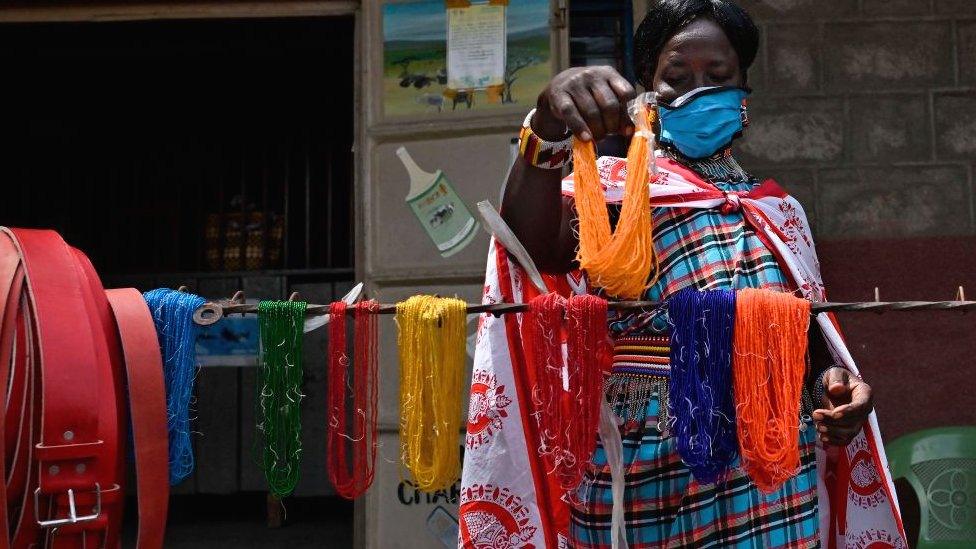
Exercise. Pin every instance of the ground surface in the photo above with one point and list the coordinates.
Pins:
(218, 522)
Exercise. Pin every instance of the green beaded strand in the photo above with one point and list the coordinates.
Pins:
(279, 394)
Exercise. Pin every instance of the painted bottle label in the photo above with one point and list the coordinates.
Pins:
(441, 212)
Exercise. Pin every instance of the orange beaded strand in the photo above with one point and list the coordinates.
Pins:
(769, 364)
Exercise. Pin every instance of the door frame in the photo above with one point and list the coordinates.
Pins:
(65, 12)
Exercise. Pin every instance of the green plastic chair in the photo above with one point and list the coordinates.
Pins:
(940, 466)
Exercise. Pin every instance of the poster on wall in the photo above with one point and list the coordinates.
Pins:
(484, 72)
(476, 43)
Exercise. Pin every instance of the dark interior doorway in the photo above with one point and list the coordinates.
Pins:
(179, 146)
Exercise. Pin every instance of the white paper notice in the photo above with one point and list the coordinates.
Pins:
(476, 47)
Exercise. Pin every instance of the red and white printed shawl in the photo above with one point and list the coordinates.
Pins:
(507, 498)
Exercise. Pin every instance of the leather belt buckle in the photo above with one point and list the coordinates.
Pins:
(73, 516)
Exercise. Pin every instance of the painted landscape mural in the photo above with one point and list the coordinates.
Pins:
(415, 59)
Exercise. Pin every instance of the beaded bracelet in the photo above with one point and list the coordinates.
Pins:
(548, 155)
(820, 388)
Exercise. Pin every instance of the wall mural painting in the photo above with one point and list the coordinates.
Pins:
(416, 76)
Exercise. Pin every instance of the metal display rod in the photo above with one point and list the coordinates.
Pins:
(211, 312)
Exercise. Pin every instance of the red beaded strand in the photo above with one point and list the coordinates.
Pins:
(361, 443)
(589, 359)
(567, 393)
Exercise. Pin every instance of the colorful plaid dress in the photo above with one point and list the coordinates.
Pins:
(664, 505)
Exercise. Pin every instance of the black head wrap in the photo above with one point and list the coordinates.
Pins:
(667, 17)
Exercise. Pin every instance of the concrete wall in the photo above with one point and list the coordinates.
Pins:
(866, 110)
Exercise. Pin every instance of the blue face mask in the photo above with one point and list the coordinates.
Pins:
(702, 121)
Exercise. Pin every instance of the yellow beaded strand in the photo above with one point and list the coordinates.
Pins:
(432, 352)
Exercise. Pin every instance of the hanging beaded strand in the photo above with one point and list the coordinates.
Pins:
(360, 444)
(367, 392)
(279, 393)
(542, 327)
(621, 260)
(431, 339)
(701, 401)
(172, 313)
(769, 368)
(588, 360)
(336, 405)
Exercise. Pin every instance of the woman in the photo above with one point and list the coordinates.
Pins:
(699, 51)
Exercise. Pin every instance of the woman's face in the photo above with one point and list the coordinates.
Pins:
(698, 55)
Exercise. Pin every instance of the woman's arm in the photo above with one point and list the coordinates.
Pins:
(540, 216)
(590, 102)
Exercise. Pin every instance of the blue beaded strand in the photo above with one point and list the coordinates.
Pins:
(172, 313)
(701, 399)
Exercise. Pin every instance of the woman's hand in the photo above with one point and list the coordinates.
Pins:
(847, 403)
(590, 101)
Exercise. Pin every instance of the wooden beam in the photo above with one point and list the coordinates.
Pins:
(54, 12)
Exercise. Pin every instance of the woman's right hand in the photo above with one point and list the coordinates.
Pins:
(589, 101)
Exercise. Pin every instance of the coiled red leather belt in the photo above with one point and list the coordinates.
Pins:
(69, 351)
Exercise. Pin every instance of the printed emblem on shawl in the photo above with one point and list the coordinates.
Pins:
(812, 290)
(488, 297)
(865, 489)
(613, 170)
(875, 539)
(494, 518)
(486, 408)
(793, 227)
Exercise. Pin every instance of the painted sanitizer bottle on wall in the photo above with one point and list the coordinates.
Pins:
(441, 212)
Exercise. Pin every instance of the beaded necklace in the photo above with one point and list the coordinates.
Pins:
(721, 167)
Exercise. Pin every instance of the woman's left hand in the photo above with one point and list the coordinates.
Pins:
(847, 404)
